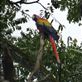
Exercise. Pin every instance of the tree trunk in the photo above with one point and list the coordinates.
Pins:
(7, 62)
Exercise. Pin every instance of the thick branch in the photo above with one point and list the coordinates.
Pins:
(39, 58)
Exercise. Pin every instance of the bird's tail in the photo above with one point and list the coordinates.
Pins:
(54, 48)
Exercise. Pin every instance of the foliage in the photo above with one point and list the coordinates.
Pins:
(71, 60)
(23, 50)
(73, 6)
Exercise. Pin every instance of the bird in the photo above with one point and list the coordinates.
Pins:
(45, 27)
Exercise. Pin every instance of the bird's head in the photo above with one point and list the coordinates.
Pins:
(35, 17)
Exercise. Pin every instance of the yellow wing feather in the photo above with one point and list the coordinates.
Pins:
(43, 22)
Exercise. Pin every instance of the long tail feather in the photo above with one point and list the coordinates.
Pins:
(54, 48)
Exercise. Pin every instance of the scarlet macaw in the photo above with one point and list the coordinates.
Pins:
(46, 28)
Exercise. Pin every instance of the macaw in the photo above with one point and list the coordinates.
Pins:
(47, 29)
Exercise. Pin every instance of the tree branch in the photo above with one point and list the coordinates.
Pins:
(39, 58)
(42, 6)
(22, 2)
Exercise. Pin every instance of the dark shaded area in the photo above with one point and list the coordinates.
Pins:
(8, 68)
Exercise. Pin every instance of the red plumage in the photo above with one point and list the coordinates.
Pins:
(54, 48)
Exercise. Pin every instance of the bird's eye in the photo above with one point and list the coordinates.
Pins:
(33, 16)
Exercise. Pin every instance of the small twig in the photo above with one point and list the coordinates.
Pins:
(42, 6)
(57, 21)
(26, 14)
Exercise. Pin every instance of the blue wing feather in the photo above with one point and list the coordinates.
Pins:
(48, 31)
